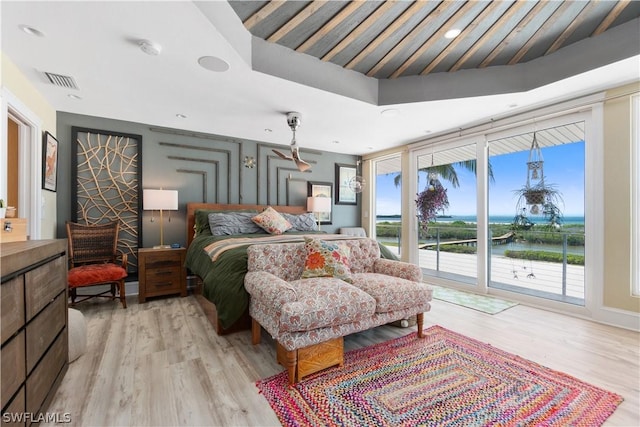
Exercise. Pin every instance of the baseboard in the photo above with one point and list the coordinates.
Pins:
(620, 318)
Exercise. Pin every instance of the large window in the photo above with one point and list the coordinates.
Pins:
(489, 237)
(537, 215)
(388, 203)
(447, 234)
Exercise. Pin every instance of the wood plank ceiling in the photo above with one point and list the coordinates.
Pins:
(390, 39)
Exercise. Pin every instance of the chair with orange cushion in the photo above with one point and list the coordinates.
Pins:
(95, 260)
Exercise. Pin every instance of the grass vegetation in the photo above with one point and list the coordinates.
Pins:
(545, 256)
(460, 230)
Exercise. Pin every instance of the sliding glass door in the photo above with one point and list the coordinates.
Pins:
(537, 215)
(446, 202)
(388, 203)
(515, 224)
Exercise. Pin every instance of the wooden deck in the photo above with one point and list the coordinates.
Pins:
(498, 240)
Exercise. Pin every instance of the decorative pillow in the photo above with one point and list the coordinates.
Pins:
(201, 220)
(271, 221)
(302, 222)
(326, 259)
(225, 223)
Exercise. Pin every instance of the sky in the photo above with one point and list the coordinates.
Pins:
(563, 167)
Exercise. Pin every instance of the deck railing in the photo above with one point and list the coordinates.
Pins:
(549, 264)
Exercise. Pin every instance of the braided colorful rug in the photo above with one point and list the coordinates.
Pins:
(446, 379)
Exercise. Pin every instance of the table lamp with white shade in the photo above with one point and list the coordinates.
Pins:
(318, 205)
(160, 200)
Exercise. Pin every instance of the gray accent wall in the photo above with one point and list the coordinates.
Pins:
(206, 168)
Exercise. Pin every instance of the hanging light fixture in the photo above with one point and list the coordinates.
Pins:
(433, 177)
(535, 164)
(357, 183)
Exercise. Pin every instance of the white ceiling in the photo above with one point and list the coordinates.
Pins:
(96, 44)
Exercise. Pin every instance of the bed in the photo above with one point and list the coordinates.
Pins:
(220, 285)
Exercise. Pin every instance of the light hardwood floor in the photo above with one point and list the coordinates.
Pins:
(161, 363)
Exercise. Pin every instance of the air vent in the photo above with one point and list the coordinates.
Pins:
(60, 80)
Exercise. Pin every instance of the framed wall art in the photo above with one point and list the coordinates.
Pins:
(49, 162)
(321, 190)
(345, 195)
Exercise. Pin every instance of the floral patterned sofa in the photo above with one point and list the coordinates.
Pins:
(309, 316)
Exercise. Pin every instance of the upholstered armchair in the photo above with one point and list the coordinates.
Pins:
(94, 260)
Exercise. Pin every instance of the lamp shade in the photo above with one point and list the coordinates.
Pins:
(166, 200)
(319, 204)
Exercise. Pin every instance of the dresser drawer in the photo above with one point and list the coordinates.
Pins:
(163, 280)
(44, 328)
(43, 284)
(12, 367)
(12, 296)
(163, 260)
(44, 375)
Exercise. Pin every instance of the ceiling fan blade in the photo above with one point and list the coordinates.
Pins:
(282, 156)
(301, 164)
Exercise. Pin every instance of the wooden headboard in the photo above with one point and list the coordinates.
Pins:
(192, 207)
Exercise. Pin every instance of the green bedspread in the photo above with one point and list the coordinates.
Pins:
(224, 279)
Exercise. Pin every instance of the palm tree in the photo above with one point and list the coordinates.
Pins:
(448, 172)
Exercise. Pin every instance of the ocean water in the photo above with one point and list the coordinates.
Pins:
(493, 219)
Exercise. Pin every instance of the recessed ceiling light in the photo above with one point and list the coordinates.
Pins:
(391, 112)
(31, 31)
(427, 131)
(74, 96)
(181, 116)
(267, 130)
(213, 63)
(149, 47)
(369, 148)
(513, 105)
(336, 142)
(452, 34)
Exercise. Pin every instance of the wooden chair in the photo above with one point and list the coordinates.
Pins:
(95, 260)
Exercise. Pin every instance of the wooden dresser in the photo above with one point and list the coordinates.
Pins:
(34, 355)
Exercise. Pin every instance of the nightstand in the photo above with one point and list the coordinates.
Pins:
(161, 272)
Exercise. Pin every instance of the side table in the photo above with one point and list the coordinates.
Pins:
(161, 272)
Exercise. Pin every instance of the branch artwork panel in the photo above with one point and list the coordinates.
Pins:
(107, 175)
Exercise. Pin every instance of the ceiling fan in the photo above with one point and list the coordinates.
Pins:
(293, 120)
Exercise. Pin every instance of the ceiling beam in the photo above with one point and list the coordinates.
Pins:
(488, 35)
(395, 25)
(575, 23)
(260, 15)
(615, 12)
(488, 10)
(364, 26)
(292, 23)
(541, 32)
(514, 33)
(409, 38)
(435, 37)
(330, 25)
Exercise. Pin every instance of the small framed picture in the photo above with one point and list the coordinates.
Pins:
(49, 162)
(345, 175)
(321, 190)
